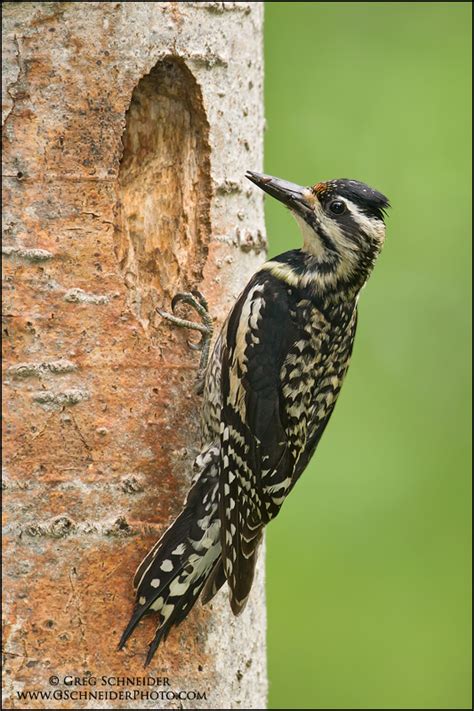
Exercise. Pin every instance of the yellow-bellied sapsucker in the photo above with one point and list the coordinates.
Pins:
(270, 387)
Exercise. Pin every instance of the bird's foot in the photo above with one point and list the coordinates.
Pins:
(195, 300)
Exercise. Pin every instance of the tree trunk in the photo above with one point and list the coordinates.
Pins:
(127, 129)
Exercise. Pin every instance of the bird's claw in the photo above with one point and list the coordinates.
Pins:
(197, 346)
(196, 301)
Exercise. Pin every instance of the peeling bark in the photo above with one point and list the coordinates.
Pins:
(127, 130)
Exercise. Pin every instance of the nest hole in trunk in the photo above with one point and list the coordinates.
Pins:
(164, 188)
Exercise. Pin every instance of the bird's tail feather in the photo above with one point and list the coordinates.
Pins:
(214, 582)
(172, 575)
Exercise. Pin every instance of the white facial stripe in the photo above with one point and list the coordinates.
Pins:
(370, 225)
(346, 249)
(312, 243)
(333, 229)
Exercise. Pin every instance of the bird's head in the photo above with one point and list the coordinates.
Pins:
(342, 222)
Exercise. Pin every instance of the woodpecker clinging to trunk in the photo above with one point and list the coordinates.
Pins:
(270, 386)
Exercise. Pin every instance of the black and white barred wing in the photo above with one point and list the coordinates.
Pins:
(254, 454)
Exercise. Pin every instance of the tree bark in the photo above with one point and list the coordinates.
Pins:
(127, 130)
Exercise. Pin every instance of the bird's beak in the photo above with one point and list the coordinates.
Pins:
(296, 197)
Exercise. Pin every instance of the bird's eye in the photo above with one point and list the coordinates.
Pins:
(337, 207)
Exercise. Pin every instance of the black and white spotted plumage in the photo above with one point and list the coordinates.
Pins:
(271, 384)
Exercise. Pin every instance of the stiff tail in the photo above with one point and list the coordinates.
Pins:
(172, 575)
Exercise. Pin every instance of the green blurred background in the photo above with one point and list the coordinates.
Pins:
(368, 566)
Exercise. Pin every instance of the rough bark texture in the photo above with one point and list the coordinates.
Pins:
(127, 129)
